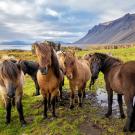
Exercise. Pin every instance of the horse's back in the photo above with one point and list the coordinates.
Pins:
(85, 69)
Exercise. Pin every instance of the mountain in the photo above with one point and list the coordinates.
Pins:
(16, 42)
(121, 30)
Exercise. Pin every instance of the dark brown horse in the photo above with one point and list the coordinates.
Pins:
(11, 88)
(49, 75)
(119, 77)
(31, 68)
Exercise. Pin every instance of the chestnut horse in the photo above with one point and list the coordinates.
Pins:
(11, 88)
(78, 73)
(119, 77)
(49, 75)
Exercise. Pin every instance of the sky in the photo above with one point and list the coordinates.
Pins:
(58, 20)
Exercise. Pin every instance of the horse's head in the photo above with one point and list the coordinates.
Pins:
(61, 59)
(44, 54)
(95, 65)
(87, 57)
(69, 64)
(9, 76)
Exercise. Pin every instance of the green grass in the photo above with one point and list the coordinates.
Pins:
(68, 122)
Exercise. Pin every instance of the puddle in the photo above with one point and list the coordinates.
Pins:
(102, 96)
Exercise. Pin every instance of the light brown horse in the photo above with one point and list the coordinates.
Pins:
(49, 75)
(92, 79)
(11, 88)
(78, 73)
(119, 77)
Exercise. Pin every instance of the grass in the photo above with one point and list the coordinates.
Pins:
(68, 122)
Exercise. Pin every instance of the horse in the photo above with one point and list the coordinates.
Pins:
(49, 75)
(11, 88)
(88, 58)
(31, 68)
(119, 77)
(78, 73)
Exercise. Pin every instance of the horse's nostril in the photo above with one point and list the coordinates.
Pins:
(11, 95)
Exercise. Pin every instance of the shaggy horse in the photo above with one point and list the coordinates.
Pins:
(31, 68)
(78, 73)
(119, 77)
(88, 58)
(11, 87)
(49, 75)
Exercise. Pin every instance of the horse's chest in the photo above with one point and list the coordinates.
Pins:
(47, 82)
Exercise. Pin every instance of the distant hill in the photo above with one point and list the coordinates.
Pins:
(14, 43)
(119, 31)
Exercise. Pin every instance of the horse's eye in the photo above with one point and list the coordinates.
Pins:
(64, 63)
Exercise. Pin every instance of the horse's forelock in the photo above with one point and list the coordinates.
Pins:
(9, 70)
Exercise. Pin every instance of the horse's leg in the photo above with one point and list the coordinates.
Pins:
(34, 78)
(20, 109)
(80, 98)
(132, 129)
(72, 99)
(8, 110)
(45, 107)
(121, 105)
(110, 100)
(60, 88)
(54, 94)
(49, 100)
(92, 81)
(84, 94)
(129, 104)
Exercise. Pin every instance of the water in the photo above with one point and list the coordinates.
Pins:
(8, 47)
(101, 95)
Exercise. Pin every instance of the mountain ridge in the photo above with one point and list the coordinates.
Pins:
(121, 30)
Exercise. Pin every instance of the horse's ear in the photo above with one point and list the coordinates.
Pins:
(72, 52)
(19, 66)
(33, 47)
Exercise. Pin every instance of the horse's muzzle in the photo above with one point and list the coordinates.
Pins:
(44, 71)
(11, 94)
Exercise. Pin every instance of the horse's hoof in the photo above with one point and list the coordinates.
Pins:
(55, 116)
(71, 106)
(45, 117)
(36, 94)
(7, 122)
(107, 115)
(125, 129)
(80, 104)
(23, 123)
(123, 116)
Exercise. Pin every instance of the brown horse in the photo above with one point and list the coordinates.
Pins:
(88, 58)
(11, 88)
(78, 73)
(119, 77)
(49, 75)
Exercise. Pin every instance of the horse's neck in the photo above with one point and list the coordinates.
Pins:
(75, 70)
(106, 67)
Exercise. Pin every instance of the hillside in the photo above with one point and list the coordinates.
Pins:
(121, 30)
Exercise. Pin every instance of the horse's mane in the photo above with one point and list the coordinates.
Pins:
(55, 64)
(9, 69)
(44, 49)
(107, 60)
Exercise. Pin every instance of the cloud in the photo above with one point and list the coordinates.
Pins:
(64, 20)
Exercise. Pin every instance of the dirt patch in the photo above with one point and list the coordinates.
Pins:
(87, 128)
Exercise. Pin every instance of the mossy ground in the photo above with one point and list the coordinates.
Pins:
(68, 121)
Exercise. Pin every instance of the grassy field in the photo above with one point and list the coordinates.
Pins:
(73, 122)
